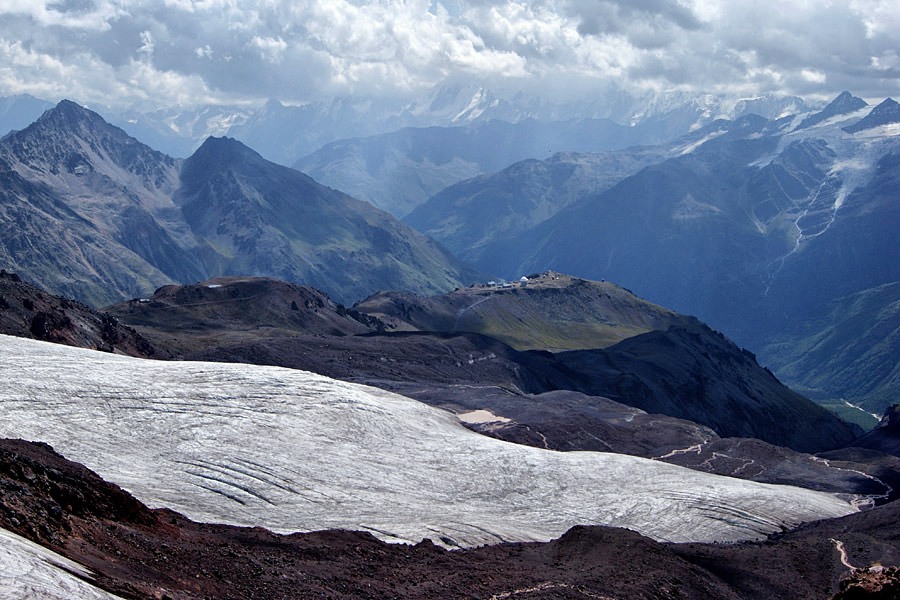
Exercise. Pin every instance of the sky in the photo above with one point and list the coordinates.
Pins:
(161, 53)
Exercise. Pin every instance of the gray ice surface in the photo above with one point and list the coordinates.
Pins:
(33, 572)
(294, 451)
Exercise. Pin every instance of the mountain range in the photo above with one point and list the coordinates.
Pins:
(750, 225)
(473, 132)
(116, 219)
(285, 133)
(400, 170)
(120, 219)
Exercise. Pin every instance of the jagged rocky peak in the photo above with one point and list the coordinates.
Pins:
(70, 138)
(886, 113)
(272, 105)
(844, 104)
(68, 120)
(218, 153)
(70, 114)
(223, 145)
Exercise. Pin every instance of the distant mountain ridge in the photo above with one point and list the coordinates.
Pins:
(285, 132)
(471, 215)
(398, 171)
(117, 219)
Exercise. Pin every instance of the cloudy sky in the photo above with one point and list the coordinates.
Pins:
(156, 53)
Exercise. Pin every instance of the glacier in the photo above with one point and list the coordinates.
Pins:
(28, 570)
(294, 451)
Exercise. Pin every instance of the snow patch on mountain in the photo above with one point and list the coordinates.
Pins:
(881, 131)
(832, 122)
(473, 110)
(690, 147)
(294, 451)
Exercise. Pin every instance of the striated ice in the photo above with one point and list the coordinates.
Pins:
(294, 451)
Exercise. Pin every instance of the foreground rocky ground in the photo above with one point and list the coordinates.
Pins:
(141, 553)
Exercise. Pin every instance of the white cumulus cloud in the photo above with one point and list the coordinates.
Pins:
(228, 51)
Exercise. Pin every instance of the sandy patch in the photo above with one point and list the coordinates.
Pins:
(477, 417)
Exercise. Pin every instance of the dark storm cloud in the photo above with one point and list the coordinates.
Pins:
(620, 16)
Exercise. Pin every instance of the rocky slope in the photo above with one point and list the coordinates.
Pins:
(229, 310)
(28, 312)
(695, 373)
(256, 217)
(885, 437)
(663, 362)
(87, 210)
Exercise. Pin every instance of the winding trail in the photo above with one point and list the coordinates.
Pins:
(470, 307)
(888, 489)
(839, 546)
(547, 586)
(697, 448)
